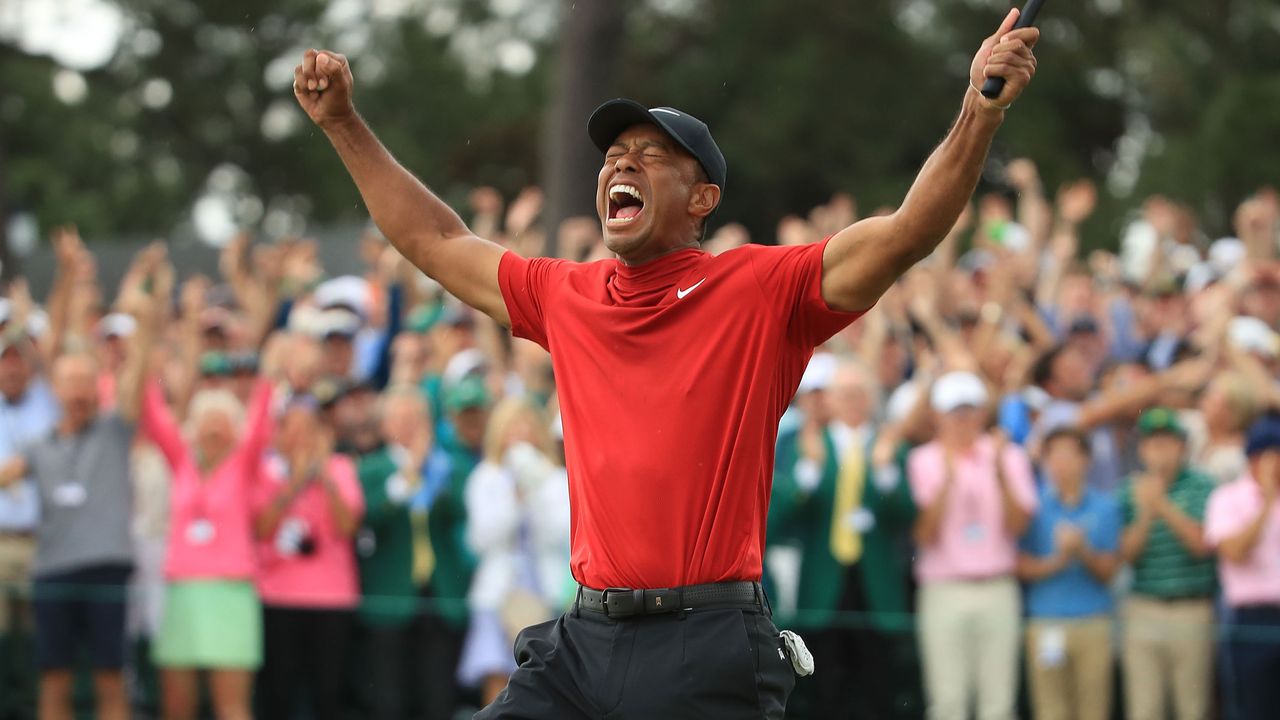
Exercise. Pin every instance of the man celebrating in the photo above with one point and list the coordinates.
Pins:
(675, 367)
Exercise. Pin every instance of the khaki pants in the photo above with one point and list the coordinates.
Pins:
(1069, 664)
(16, 554)
(1168, 652)
(969, 647)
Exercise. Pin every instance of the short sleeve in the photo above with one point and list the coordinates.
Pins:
(791, 276)
(924, 475)
(1017, 472)
(527, 286)
(1221, 518)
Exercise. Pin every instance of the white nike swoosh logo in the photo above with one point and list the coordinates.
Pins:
(681, 293)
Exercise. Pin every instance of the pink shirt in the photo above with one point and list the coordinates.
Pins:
(210, 518)
(972, 541)
(1232, 507)
(307, 563)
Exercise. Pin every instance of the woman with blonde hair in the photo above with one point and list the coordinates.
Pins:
(1227, 407)
(518, 527)
(212, 619)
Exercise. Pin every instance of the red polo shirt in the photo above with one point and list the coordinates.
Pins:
(672, 377)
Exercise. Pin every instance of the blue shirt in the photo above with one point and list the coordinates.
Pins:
(29, 419)
(1073, 592)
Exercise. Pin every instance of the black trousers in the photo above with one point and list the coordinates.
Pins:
(303, 649)
(1253, 648)
(383, 679)
(714, 664)
(436, 650)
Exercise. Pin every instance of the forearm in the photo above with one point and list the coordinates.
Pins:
(948, 178)
(343, 517)
(1016, 518)
(406, 212)
(929, 521)
(129, 396)
(1102, 566)
(1188, 531)
(1237, 548)
(1032, 568)
(1134, 539)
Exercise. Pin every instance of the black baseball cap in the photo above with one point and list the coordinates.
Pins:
(610, 119)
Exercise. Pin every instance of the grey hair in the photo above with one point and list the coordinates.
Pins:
(211, 401)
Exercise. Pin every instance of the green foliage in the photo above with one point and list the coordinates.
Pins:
(807, 97)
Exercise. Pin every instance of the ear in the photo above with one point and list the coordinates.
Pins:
(703, 199)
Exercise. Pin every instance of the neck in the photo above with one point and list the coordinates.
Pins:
(1222, 436)
(1070, 490)
(67, 426)
(645, 257)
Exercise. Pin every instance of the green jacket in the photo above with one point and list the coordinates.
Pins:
(803, 518)
(384, 547)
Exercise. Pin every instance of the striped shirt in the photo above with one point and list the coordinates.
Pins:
(1165, 569)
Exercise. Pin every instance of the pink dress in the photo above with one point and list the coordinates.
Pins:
(307, 562)
(210, 519)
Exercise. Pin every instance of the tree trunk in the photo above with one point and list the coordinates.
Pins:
(592, 31)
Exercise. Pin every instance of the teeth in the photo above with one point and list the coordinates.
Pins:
(625, 190)
(621, 221)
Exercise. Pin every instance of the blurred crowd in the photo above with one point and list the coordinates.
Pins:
(1026, 478)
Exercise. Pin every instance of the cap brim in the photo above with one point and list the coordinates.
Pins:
(612, 118)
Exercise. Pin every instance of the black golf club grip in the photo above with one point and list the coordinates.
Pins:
(995, 85)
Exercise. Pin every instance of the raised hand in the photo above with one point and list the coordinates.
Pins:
(194, 291)
(1076, 201)
(323, 86)
(1006, 54)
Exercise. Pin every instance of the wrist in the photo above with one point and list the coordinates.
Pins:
(983, 107)
(340, 124)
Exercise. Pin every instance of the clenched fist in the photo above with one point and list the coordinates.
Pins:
(1006, 54)
(323, 85)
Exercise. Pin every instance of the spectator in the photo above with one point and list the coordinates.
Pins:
(308, 507)
(976, 495)
(518, 528)
(1242, 524)
(1168, 618)
(212, 616)
(1068, 556)
(82, 472)
(28, 412)
(394, 550)
(442, 626)
(830, 503)
(1228, 407)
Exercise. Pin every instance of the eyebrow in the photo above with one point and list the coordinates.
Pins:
(642, 144)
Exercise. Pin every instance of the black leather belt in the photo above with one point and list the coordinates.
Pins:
(626, 602)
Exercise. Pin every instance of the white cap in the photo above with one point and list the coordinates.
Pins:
(1199, 276)
(1253, 335)
(338, 322)
(346, 291)
(1225, 254)
(956, 390)
(462, 364)
(117, 325)
(819, 374)
(37, 320)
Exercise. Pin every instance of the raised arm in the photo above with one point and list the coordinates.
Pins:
(420, 225)
(151, 308)
(863, 260)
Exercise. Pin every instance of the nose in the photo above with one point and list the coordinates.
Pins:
(626, 163)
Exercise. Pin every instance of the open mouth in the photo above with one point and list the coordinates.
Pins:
(625, 205)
